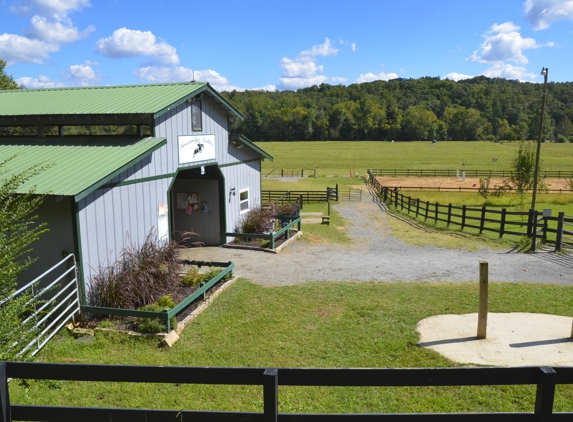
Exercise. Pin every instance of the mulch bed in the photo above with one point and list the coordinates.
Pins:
(255, 243)
(177, 293)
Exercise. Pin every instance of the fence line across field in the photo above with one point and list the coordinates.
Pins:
(533, 224)
(469, 173)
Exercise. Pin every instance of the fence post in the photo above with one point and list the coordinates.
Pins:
(483, 299)
(545, 394)
(502, 223)
(463, 216)
(534, 231)
(449, 214)
(5, 415)
(270, 395)
(409, 202)
(482, 220)
(417, 207)
(546, 213)
(436, 214)
(559, 237)
(427, 210)
(530, 222)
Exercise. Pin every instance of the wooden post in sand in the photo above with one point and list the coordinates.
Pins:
(483, 299)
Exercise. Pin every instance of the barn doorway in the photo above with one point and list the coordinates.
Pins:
(196, 205)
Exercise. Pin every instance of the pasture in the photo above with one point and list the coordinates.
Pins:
(339, 157)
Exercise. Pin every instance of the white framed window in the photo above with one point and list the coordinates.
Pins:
(244, 200)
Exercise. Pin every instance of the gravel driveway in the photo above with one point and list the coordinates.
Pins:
(377, 256)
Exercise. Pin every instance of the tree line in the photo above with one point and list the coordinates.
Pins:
(427, 108)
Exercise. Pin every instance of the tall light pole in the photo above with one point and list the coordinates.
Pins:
(544, 72)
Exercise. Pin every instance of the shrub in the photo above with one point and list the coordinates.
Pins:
(192, 277)
(143, 273)
(166, 302)
(214, 272)
(155, 325)
(262, 220)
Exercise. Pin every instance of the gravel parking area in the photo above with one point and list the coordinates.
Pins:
(376, 255)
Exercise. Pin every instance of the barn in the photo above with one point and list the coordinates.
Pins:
(125, 161)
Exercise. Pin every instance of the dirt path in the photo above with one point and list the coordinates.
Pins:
(377, 256)
(452, 183)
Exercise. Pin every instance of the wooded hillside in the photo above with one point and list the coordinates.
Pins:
(480, 108)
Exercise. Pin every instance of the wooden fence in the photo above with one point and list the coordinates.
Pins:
(544, 378)
(308, 196)
(533, 224)
(554, 174)
(291, 173)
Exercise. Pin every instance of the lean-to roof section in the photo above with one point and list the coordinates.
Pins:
(77, 166)
(104, 100)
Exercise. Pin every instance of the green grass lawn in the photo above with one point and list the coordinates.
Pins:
(339, 157)
(309, 325)
(555, 202)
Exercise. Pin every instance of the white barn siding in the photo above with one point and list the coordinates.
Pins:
(111, 219)
(241, 177)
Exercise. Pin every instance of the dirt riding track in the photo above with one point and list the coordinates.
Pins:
(452, 183)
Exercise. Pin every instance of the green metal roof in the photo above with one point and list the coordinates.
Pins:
(78, 166)
(242, 139)
(105, 100)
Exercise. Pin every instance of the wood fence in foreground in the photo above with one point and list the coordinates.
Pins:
(544, 378)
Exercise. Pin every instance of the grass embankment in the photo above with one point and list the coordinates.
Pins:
(310, 325)
(512, 202)
(339, 157)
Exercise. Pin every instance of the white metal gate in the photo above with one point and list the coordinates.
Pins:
(57, 300)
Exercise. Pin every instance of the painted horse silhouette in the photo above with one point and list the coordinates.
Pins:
(198, 149)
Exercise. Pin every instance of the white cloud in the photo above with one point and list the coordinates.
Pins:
(303, 71)
(14, 49)
(265, 88)
(504, 42)
(49, 6)
(324, 49)
(133, 43)
(542, 13)
(83, 74)
(457, 76)
(338, 79)
(39, 82)
(353, 46)
(58, 29)
(369, 77)
(508, 71)
(156, 74)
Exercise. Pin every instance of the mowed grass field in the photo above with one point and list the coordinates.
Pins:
(339, 157)
(315, 324)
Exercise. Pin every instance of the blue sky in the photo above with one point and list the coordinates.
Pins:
(275, 44)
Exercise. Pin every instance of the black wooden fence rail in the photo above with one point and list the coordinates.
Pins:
(469, 173)
(533, 224)
(304, 196)
(545, 378)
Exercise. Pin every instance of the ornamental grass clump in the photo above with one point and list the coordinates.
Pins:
(262, 220)
(143, 274)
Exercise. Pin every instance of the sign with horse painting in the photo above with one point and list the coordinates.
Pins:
(196, 148)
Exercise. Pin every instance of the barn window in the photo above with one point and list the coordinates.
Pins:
(196, 116)
(244, 200)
